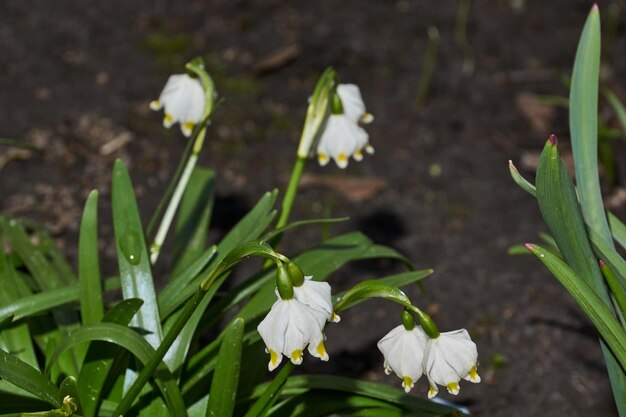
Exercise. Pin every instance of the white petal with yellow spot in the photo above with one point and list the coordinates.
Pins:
(184, 102)
(341, 139)
(403, 351)
(287, 330)
(449, 358)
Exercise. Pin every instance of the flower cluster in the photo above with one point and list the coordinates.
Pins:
(445, 359)
(342, 136)
(295, 323)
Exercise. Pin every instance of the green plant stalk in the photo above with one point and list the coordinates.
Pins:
(168, 217)
(616, 288)
(292, 190)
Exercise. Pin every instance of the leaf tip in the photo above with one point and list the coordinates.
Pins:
(529, 246)
(602, 264)
(553, 140)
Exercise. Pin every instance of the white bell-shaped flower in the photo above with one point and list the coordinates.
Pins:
(449, 358)
(184, 102)
(287, 330)
(316, 294)
(341, 139)
(353, 105)
(403, 351)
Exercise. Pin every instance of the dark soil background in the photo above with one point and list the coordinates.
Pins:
(76, 78)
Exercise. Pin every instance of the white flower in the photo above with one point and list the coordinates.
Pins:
(341, 138)
(184, 102)
(288, 328)
(353, 105)
(449, 358)
(316, 295)
(403, 351)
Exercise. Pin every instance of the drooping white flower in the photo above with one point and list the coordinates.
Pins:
(353, 105)
(341, 139)
(449, 358)
(287, 330)
(184, 102)
(316, 295)
(403, 351)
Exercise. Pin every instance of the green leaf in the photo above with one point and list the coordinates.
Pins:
(21, 374)
(595, 308)
(69, 387)
(192, 224)
(183, 286)
(618, 230)
(90, 285)
(583, 119)
(100, 357)
(251, 226)
(374, 390)
(14, 339)
(521, 181)
(270, 392)
(132, 256)
(139, 347)
(618, 107)
(226, 376)
(559, 207)
(321, 403)
(380, 251)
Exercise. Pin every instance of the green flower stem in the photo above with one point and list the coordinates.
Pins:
(292, 190)
(166, 222)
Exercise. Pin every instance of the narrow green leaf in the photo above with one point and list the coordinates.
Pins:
(321, 403)
(270, 392)
(380, 251)
(252, 225)
(617, 289)
(375, 390)
(135, 344)
(184, 285)
(521, 181)
(192, 224)
(132, 255)
(618, 107)
(21, 374)
(595, 308)
(583, 119)
(100, 356)
(226, 376)
(90, 285)
(618, 230)
(17, 339)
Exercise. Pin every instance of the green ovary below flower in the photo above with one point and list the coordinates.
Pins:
(403, 351)
(449, 358)
(289, 328)
(184, 102)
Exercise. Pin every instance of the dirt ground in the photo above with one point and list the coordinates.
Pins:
(76, 80)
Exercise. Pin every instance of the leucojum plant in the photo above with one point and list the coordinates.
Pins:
(69, 346)
(581, 251)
